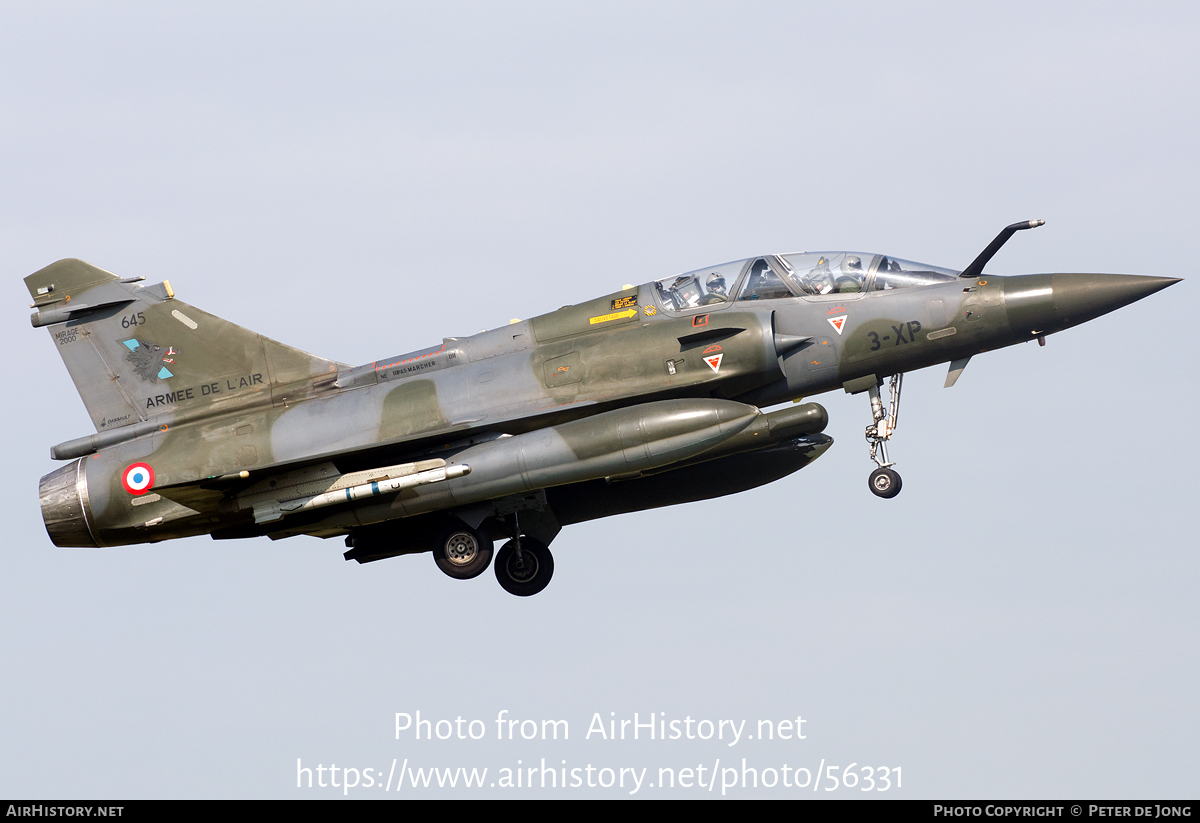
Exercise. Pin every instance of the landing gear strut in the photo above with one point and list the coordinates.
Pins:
(883, 481)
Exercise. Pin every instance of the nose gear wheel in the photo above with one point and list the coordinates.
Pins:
(884, 483)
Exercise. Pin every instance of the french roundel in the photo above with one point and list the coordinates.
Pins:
(138, 478)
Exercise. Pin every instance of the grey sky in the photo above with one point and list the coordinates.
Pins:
(362, 180)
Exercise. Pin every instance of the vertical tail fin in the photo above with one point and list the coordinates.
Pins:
(136, 353)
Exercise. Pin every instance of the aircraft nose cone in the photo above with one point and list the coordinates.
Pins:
(1080, 297)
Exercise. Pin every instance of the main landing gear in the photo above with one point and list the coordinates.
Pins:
(883, 481)
(523, 566)
(463, 552)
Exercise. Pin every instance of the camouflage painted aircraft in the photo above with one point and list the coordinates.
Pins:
(643, 398)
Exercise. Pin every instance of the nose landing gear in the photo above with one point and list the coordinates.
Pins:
(884, 482)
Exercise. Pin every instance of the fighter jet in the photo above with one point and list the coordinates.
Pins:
(651, 396)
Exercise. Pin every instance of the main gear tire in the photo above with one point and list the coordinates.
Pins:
(884, 483)
(462, 552)
(525, 575)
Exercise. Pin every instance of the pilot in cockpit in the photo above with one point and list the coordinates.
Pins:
(717, 292)
(852, 276)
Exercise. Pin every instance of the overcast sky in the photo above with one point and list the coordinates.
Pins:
(360, 180)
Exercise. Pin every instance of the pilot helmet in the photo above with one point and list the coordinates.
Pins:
(852, 264)
(716, 283)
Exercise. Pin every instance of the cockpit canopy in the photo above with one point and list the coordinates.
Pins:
(809, 274)
(847, 272)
